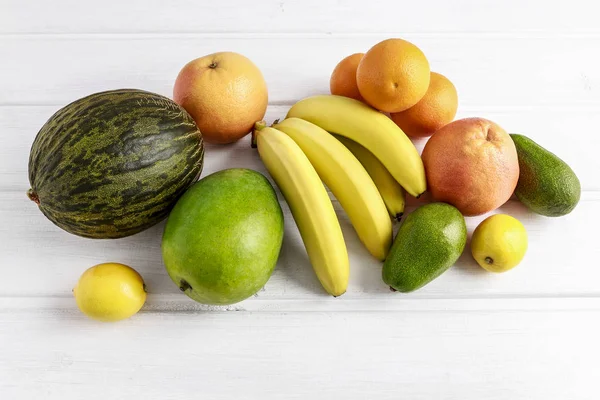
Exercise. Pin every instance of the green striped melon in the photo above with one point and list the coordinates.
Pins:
(114, 163)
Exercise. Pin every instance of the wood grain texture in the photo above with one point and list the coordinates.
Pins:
(550, 268)
(549, 126)
(488, 71)
(530, 65)
(321, 355)
(308, 16)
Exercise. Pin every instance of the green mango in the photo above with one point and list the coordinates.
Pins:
(428, 242)
(547, 185)
(222, 239)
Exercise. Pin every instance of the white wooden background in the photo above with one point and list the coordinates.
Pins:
(532, 66)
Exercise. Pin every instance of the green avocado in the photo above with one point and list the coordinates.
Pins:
(428, 242)
(222, 239)
(547, 185)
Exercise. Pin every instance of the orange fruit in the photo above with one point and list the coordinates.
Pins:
(343, 78)
(393, 75)
(472, 164)
(436, 109)
(225, 93)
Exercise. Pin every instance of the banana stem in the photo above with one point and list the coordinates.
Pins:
(258, 125)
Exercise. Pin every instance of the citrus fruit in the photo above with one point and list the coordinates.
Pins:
(110, 292)
(436, 109)
(225, 93)
(393, 75)
(499, 243)
(343, 78)
(472, 164)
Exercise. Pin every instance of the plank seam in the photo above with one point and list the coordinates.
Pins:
(522, 34)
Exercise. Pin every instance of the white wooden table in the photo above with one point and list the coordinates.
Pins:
(532, 66)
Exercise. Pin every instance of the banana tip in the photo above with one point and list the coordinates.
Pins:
(258, 125)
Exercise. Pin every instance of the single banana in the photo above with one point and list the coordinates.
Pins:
(390, 190)
(349, 182)
(370, 128)
(310, 206)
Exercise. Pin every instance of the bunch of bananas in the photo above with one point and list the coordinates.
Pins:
(362, 157)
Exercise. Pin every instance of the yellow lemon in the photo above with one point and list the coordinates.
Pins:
(110, 292)
(499, 243)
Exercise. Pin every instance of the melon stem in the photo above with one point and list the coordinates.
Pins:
(33, 196)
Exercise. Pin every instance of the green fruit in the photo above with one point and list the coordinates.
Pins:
(223, 237)
(114, 163)
(547, 185)
(428, 242)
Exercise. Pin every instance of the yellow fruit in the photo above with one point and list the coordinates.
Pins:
(343, 78)
(435, 110)
(348, 180)
(310, 206)
(225, 93)
(393, 75)
(390, 190)
(499, 243)
(371, 129)
(110, 292)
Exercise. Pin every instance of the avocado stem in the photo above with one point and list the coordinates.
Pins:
(33, 196)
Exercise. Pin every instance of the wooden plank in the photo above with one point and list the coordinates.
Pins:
(46, 261)
(563, 132)
(325, 355)
(323, 16)
(488, 71)
(176, 303)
